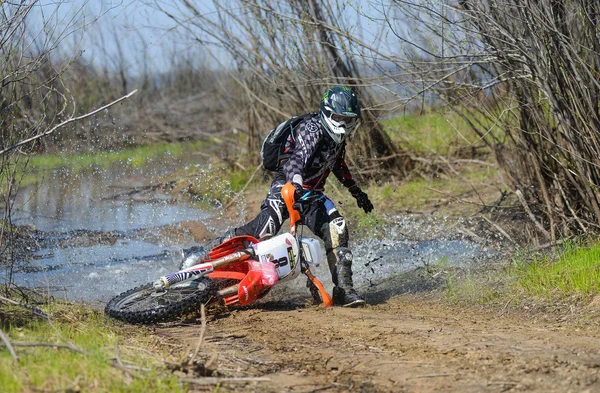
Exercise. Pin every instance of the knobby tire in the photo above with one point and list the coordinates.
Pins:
(145, 305)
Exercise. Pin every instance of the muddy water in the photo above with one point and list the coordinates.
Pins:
(86, 225)
(97, 218)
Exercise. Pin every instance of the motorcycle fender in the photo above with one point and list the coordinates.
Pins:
(260, 278)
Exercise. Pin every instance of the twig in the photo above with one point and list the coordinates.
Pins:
(475, 162)
(8, 345)
(202, 331)
(35, 310)
(498, 228)
(64, 123)
(216, 380)
(120, 363)
(58, 333)
(70, 388)
(51, 345)
(457, 199)
(137, 190)
(211, 362)
(539, 226)
(551, 244)
(432, 375)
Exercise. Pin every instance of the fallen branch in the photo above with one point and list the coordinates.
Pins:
(138, 190)
(457, 199)
(35, 310)
(498, 228)
(51, 345)
(64, 123)
(121, 365)
(217, 380)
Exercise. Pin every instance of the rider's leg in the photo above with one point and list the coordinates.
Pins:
(265, 225)
(327, 223)
(198, 254)
(340, 265)
(269, 220)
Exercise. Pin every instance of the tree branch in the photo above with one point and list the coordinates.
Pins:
(64, 123)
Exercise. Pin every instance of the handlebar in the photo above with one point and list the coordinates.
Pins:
(295, 207)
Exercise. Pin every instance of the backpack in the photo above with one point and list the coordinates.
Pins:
(274, 144)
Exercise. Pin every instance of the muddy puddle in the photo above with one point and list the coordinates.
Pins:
(89, 247)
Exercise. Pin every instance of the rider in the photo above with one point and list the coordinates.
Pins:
(316, 149)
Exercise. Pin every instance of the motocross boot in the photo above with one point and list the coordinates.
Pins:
(198, 254)
(340, 265)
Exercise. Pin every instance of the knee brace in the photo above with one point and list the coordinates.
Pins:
(338, 233)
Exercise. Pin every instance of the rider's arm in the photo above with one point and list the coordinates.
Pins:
(342, 172)
(306, 140)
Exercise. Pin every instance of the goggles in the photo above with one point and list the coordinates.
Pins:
(347, 121)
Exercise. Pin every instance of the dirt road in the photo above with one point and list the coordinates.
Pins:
(406, 344)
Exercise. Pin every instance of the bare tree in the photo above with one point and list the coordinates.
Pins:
(34, 101)
(285, 54)
(30, 100)
(525, 77)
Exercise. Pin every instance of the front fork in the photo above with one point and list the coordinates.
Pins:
(325, 297)
(200, 270)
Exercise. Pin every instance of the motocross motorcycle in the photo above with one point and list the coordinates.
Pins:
(237, 272)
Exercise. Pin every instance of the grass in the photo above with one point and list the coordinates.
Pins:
(135, 157)
(481, 287)
(61, 369)
(434, 192)
(575, 272)
(430, 132)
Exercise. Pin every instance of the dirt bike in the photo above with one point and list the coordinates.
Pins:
(237, 272)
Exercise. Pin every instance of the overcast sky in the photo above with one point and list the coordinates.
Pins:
(145, 36)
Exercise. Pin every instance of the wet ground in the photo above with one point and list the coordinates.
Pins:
(98, 233)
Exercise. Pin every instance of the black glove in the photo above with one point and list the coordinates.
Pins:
(362, 199)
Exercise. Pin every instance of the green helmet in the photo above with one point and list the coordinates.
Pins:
(340, 112)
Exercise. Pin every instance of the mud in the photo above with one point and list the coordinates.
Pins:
(412, 343)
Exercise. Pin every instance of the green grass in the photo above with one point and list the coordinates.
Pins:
(572, 274)
(439, 131)
(423, 193)
(135, 157)
(430, 132)
(575, 272)
(60, 369)
(482, 287)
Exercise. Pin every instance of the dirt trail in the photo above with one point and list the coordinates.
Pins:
(406, 344)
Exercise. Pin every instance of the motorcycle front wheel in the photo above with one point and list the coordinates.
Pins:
(146, 305)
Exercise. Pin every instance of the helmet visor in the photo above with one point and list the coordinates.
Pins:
(347, 122)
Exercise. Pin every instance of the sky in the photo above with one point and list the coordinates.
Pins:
(143, 35)
(100, 29)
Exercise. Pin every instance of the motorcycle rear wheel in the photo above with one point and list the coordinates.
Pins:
(146, 305)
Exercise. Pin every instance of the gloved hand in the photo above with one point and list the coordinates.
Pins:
(300, 191)
(362, 199)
